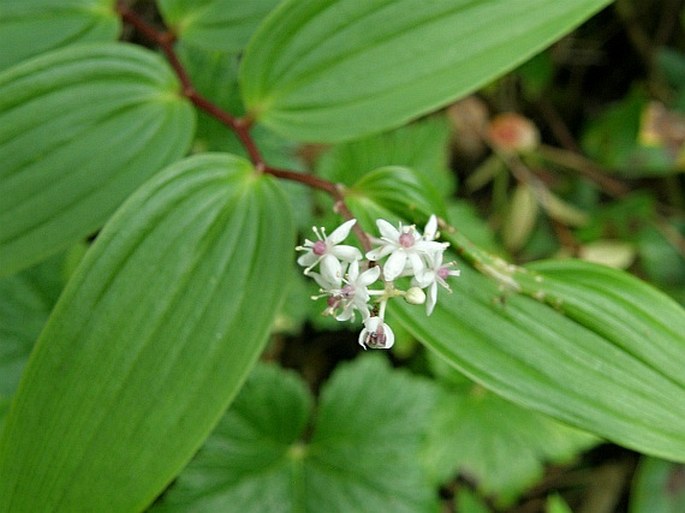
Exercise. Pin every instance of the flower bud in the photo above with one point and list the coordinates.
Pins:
(415, 296)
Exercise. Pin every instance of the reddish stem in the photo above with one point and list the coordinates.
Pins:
(165, 40)
(240, 126)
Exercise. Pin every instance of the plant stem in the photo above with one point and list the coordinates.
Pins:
(240, 126)
(165, 40)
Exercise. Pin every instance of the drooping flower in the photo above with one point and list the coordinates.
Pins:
(376, 334)
(406, 247)
(328, 251)
(435, 274)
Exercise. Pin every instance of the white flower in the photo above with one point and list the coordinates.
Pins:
(353, 295)
(376, 334)
(435, 274)
(328, 250)
(406, 247)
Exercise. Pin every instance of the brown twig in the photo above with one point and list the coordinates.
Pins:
(165, 40)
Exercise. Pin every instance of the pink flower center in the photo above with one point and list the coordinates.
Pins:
(407, 240)
(319, 248)
(347, 291)
(444, 272)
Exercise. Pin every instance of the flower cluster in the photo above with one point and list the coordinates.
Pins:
(345, 278)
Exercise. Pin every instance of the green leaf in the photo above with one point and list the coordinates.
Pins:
(150, 341)
(391, 191)
(31, 27)
(26, 300)
(362, 454)
(331, 70)
(421, 146)
(658, 487)
(497, 444)
(80, 129)
(604, 354)
(224, 25)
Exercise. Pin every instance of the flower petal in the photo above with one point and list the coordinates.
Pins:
(308, 259)
(394, 265)
(331, 269)
(432, 298)
(387, 230)
(369, 276)
(431, 228)
(346, 253)
(341, 232)
(379, 252)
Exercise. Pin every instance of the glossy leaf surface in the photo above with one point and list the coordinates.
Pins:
(152, 338)
(330, 70)
(224, 25)
(80, 129)
(31, 27)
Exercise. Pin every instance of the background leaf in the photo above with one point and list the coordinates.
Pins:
(362, 454)
(659, 487)
(224, 25)
(330, 70)
(149, 342)
(396, 190)
(421, 146)
(569, 367)
(30, 27)
(495, 443)
(26, 300)
(57, 114)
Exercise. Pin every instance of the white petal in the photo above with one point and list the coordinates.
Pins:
(307, 259)
(431, 228)
(380, 252)
(325, 285)
(371, 326)
(346, 253)
(417, 264)
(341, 232)
(331, 269)
(369, 276)
(425, 278)
(394, 265)
(432, 298)
(387, 230)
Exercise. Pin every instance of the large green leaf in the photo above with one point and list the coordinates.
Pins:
(30, 27)
(359, 454)
(151, 339)
(329, 70)
(224, 25)
(80, 129)
(609, 366)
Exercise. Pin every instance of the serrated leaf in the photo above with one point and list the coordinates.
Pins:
(150, 341)
(80, 129)
(31, 27)
(497, 444)
(224, 25)
(596, 361)
(362, 454)
(331, 70)
(391, 191)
